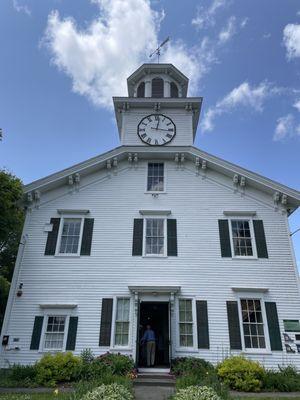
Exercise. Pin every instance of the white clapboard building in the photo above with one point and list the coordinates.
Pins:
(156, 231)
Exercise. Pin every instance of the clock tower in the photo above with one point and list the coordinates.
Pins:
(157, 111)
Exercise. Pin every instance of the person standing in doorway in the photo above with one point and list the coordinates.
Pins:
(149, 339)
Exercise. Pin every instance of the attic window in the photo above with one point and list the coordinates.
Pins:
(157, 87)
(141, 90)
(174, 90)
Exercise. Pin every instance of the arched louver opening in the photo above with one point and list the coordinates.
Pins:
(141, 90)
(157, 87)
(174, 90)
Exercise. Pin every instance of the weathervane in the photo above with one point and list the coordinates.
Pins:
(157, 51)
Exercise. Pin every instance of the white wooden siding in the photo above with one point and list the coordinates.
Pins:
(114, 200)
(182, 119)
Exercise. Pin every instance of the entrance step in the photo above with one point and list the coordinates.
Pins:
(154, 379)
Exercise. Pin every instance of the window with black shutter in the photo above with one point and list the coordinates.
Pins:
(141, 90)
(174, 89)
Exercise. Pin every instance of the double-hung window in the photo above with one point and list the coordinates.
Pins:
(253, 324)
(155, 236)
(55, 332)
(70, 236)
(122, 322)
(242, 238)
(155, 178)
(186, 326)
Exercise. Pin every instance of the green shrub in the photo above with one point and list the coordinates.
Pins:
(109, 392)
(196, 393)
(187, 365)
(287, 379)
(23, 372)
(118, 364)
(87, 356)
(59, 367)
(241, 374)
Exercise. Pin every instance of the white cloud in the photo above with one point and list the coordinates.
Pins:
(227, 33)
(206, 17)
(21, 7)
(291, 40)
(244, 22)
(286, 128)
(297, 105)
(100, 57)
(244, 95)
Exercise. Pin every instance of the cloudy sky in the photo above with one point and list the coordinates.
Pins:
(63, 60)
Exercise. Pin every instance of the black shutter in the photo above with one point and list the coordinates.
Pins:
(52, 237)
(260, 239)
(224, 238)
(36, 333)
(172, 237)
(137, 243)
(87, 236)
(202, 324)
(273, 325)
(157, 87)
(106, 319)
(234, 325)
(72, 332)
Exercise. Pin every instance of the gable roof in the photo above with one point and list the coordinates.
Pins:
(166, 152)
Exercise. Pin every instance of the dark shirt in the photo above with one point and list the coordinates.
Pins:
(149, 336)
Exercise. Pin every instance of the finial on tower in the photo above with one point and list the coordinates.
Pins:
(157, 51)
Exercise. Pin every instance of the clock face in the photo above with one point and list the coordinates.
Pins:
(156, 129)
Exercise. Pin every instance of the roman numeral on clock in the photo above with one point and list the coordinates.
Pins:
(169, 135)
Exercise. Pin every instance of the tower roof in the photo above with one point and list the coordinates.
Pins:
(147, 69)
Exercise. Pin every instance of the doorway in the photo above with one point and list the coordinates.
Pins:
(155, 314)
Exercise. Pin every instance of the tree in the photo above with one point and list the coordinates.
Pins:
(11, 224)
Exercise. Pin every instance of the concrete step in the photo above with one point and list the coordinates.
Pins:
(152, 379)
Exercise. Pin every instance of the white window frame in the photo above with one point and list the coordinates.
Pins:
(63, 218)
(113, 330)
(253, 242)
(165, 178)
(194, 348)
(254, 296)
(44, 329)
(165, 253)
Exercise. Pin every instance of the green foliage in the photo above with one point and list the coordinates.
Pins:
(20, 373)
(109, 392)
(287, 379)
(87, 355)
(118, 364)
(241, 374)
(196, 393)
(186, 365)
(11, 223)
(59, 367)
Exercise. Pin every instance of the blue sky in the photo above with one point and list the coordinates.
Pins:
(62, 60)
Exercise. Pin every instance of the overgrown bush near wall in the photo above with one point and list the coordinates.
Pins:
(287, 379)
(241, 374)
(55, 368)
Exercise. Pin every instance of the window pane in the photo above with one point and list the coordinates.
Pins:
(155, 181)
(122, 322)
(155, 236)
(54, 335)
(185, 323)
(241, 236)
(70, 236)
(253, 326)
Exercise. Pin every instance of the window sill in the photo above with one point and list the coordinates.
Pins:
(154, 256)
(244, 258)
(67, 255)
(186, 350)
(164, 192)
(257, 352)
(119, 348)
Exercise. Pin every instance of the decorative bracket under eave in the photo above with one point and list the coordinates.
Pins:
(179, 160)
(279, 198)
(74, 182)
(112, 165)
(33, 199)
(239, 182)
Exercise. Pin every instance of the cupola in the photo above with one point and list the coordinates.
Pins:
(157, 81)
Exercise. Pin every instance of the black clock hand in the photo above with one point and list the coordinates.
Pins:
(160, 129)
